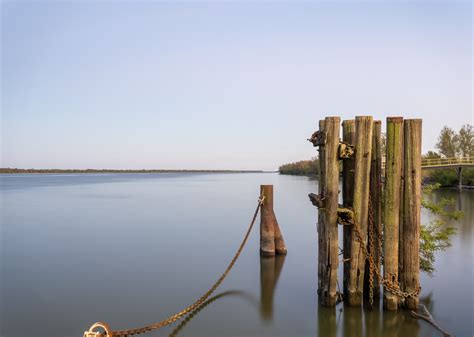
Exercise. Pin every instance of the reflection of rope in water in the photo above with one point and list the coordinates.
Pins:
(249, 297)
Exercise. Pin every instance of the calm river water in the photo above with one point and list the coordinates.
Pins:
(131, 249)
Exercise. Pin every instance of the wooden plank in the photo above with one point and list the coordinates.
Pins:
(410, 276)
(330, 253)
(393, 177)
(363, 152)
(348, 167)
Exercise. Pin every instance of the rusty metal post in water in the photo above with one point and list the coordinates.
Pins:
(271, 239)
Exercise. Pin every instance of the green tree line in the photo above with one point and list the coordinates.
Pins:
(301, 168)
(452, 144)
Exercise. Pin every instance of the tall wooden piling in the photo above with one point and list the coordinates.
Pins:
(320, 227)
(328, 221)
(393, 176)
(410, 275)
(348, 167)
(271, 239)
(363, 152)
(376, 210)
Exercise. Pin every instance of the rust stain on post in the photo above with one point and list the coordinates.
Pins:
(363, 153)
(410, 275)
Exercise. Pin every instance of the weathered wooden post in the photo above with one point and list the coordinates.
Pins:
(348, 167)
(271, 239)
(410, 274)
(321, 188)
(363, 152)
(393, 177)
(375, 229)
(329, 228)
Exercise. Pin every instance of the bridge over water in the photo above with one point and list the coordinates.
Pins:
(440, 163)
(444, 163)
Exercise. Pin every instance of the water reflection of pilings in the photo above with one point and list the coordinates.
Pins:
(346, 321)
(360, 321)
(352, 321)
(270, 270)
(400, 324)
(192, 314)
(327, 321)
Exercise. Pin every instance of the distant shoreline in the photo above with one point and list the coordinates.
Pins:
(90, 171)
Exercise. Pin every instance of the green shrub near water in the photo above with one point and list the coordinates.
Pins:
(435, 236)
(449, 177)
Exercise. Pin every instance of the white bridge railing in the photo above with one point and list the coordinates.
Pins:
(454, 161)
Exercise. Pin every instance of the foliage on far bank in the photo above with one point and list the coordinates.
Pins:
(8, 170)
(449, 177)
(456, 144)
(436, 235)
(301, 168)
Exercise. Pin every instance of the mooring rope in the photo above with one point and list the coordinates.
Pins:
(128, 332)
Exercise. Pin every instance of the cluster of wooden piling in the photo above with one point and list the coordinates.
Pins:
(393, 219)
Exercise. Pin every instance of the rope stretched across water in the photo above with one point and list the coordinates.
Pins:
(128, 332)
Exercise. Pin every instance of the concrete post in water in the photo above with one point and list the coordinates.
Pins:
(329, 239)
(393, 178)
(376, 203)
(348, 167)
(410, 275)
(363, 152)
(271, 239)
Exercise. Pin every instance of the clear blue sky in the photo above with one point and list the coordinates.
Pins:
(237, 85)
